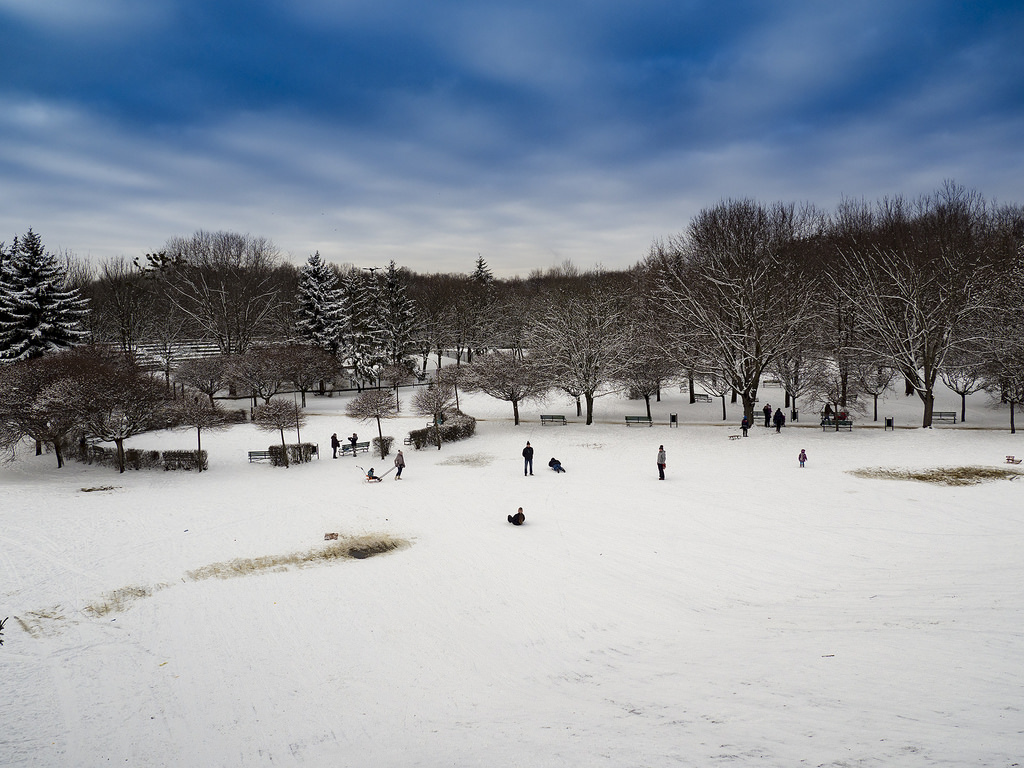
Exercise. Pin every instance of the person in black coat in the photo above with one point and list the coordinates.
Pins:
(527, 459)
(556, 465)
(518, 518)
(745, 425)
(779, 419)
(335, 445)
(767, 411)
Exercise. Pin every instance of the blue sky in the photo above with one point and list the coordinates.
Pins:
(529, 132)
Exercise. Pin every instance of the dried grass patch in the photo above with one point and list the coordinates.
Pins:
(952, 476)
(118, 600)
(101, 488)
(346, 549)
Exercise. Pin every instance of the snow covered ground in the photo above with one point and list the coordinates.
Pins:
(745, 611)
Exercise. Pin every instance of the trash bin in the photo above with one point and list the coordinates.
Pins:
(673, 419)
(890, 423)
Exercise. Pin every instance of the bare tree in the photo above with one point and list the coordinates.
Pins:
(436, 400)
(373, 404)
(736, 296)
(123, 304)
(506, 377)
(305, 366)
(277, 416)
(198, 413)
(873, 378)
(114, 401)
(209, 375)
(263, 371)
(583, 343)
(35, 404)
(918, 289)
(225, 283)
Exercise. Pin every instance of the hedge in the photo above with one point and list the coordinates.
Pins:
(459, 427)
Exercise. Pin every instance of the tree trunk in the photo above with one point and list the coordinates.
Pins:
(590, 406)
(876, 408)
(725, 416)
(199, 448)
(515, 411)
(1013, 429)
(120, 455)
(380, 434)
(284, 449)
(963, 406)
(579, 408)
(59, 452)
(647, 399)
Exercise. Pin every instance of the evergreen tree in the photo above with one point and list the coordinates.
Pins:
(482, 275)
(363, 338)
(397, 319)
(320, 308)
(38, 312)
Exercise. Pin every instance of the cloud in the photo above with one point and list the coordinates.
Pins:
(528, 133)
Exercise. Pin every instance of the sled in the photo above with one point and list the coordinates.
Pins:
(1013, 460)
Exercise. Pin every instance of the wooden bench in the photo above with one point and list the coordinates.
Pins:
(552, 419)
(701, 397)
(735, 437)
(360, 448)
(259, 456)
(944, 416)
(631, 420)
(843, 424)
(1013, 460)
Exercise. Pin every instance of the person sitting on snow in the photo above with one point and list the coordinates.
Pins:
(555, 464)
(518, 518)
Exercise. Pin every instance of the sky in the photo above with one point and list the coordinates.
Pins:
(528, 133)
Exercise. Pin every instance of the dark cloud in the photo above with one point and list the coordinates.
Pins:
(529, 132)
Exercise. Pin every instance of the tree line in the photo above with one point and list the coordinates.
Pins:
(835, 305)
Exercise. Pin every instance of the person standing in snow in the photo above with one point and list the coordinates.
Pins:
(335, 445)
(354, 439)
(527, 459)
(802, 457)
(745, 425)
(767, 411)
(399, 465)
(779, 419)
(661, 462)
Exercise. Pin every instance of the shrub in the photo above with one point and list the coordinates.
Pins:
(297, 454)
(382, 445)
(459, 427)
(185, 460)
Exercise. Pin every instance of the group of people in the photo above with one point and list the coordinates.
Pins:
(554, 463)
(336, 444)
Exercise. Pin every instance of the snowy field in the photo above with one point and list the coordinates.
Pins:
(743, 612)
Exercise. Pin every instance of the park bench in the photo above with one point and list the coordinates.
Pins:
(631, 420)
(1013, 460)
(407, 440)
(944, 416)
(735, 437)
(552, 419)
(843, 424)
(259, 456)
(360, 448)
(701, 397)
